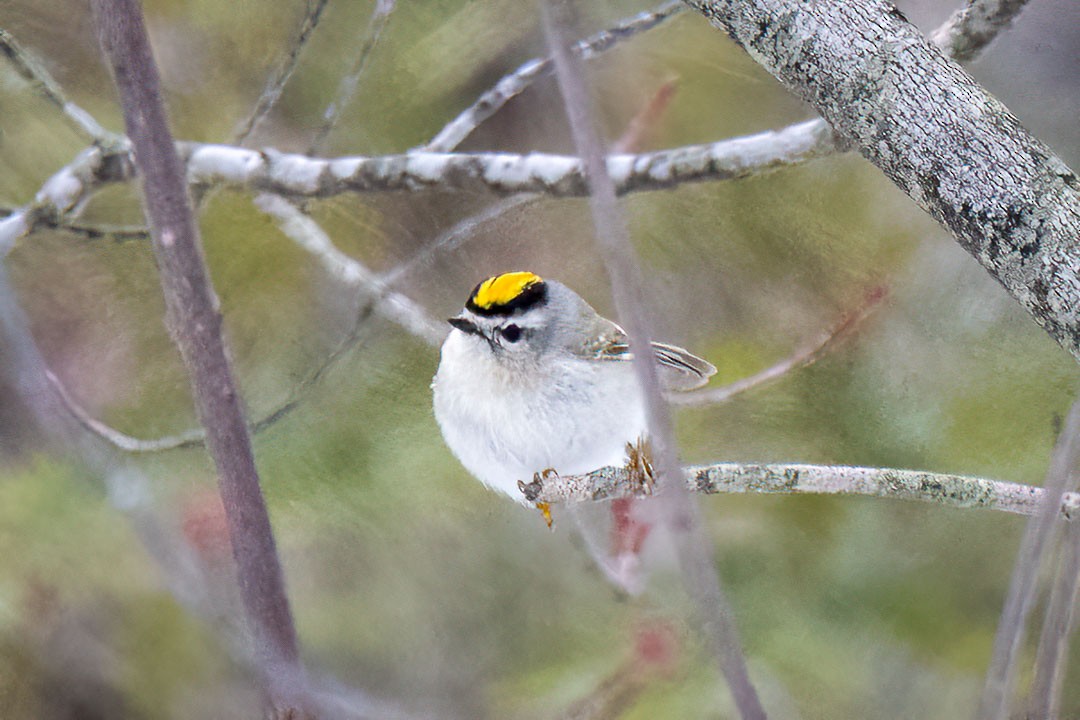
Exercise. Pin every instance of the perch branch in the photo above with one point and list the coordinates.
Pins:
(957, 491)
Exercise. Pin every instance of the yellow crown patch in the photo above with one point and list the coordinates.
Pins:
(503, 289)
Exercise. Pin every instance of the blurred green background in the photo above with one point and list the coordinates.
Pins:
(409, 581)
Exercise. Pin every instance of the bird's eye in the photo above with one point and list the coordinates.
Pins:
(512, 333)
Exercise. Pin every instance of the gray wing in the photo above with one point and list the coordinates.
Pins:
(679, 369)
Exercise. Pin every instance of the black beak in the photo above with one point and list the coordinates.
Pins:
(464, 325)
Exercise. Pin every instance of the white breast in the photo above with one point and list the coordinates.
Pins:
(568, 414)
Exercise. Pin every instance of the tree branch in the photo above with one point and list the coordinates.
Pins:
(31, 70)
(955, 491)
(195, 325)
(801, 358)
(276, 85)
(380, 16)
(396, 307)
(970, 29)
(512, 85)
(952, 147)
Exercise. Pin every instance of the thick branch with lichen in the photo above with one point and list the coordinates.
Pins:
(953, 148)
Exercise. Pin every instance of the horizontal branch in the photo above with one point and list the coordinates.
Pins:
(300, 176)
(294, 175)
(956, 491)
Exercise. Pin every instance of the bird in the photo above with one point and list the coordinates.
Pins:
(532, 380)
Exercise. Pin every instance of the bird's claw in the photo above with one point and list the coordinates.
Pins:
(639, 466)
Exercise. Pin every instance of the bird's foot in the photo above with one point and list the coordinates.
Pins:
(532, 490)
(639, 466)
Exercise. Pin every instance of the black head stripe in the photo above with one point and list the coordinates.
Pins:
(532, 295)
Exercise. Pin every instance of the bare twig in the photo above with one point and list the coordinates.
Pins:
(350, 81)
(115, 233)
(393, 305)
(189, 438)
(518, 81)
(645, 119)
(613, 238)
(808, 355)
(195, 325)
(956, 491)
(994, 704)
(455, 235)
(1058, 626)
(378, 297)
(30, 69)
(970, 29)
(276, 84)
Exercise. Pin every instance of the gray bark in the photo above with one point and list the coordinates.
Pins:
(195, 325)
(944, 140)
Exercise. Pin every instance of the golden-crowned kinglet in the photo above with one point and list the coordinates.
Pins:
(532, 378)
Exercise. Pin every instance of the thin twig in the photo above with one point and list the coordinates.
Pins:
(189, 438)
(613, 238)
(114, 233)
(393, 305)
(1058, 625)
(31, 69)
(996, 698)
(196, 437)
(518, 81)
(971, 28)
(455, 235)
(808, 355)
(380, 16)
(955, 491)
(195, 325)
(276, 84)
(645, 120)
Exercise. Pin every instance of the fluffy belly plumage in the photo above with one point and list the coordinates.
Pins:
(504, 431)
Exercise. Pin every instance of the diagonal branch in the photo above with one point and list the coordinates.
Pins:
(806, 356)
(512, 85)
(276, 84)
(31, 70)
(952, 147)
